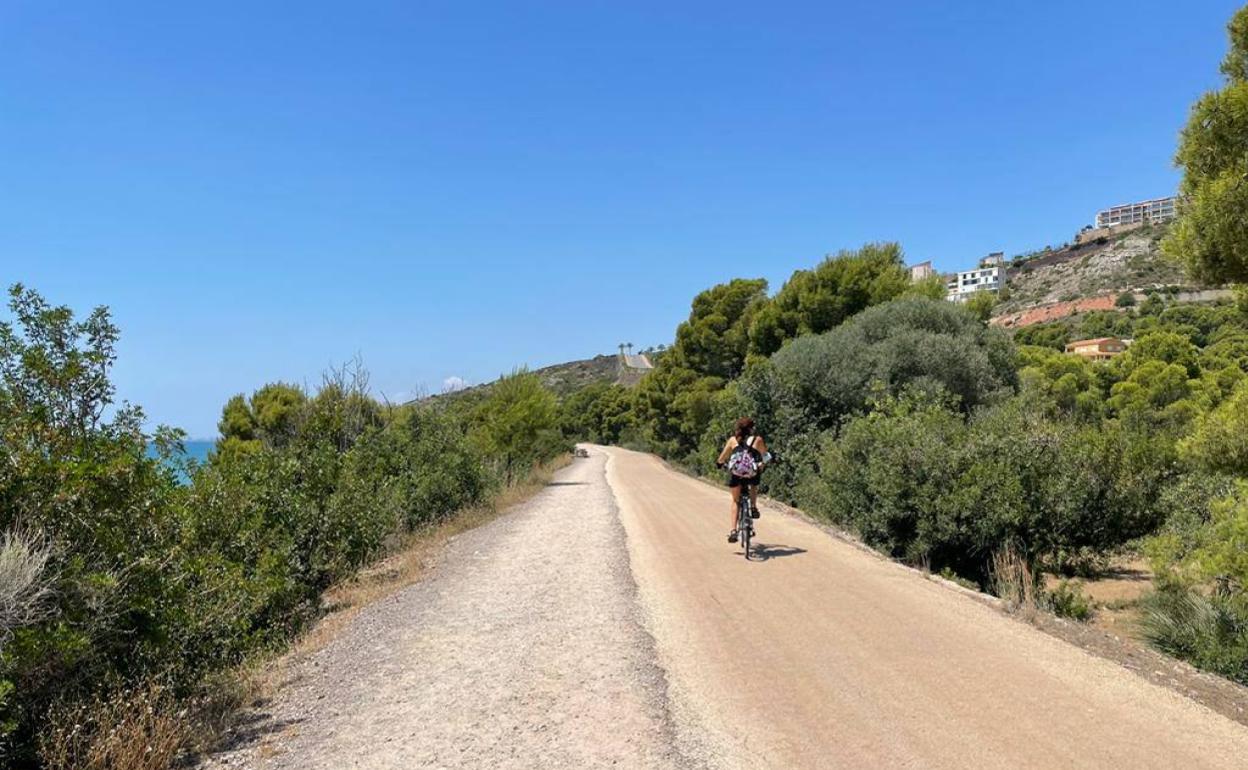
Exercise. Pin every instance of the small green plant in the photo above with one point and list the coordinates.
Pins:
(948, 574)
(1067, 600)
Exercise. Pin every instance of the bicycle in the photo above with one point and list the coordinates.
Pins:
(745, 522)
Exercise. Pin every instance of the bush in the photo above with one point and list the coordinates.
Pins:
(816, 382)
(1209, 632)
(917, 480)
(1067, 600)
(517, 424)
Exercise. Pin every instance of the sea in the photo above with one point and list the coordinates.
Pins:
(196, 449)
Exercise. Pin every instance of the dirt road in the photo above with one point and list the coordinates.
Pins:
(523, 648)
(825, 656)
(606, 623)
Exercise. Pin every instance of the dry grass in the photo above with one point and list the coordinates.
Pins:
(130, 729)
(1014, 582)
(25, 585)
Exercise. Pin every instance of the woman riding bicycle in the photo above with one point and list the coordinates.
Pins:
(745, 454)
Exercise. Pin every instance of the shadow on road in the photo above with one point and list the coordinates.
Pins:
(763, 551)
(565, 483)
(248, 729)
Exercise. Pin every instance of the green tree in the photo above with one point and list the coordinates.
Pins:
(277, 408)
(1165, 346)
(980, 304)
(1069, 383)
(1156, 392)
(1210, 234)
(922, 482)
(713, 342)
(932, 287)
(814, 301)
(518, 423)
(674, 401)
(1220, 440)
(674, 404)
(601, 413)
(815, 382)
(1048, 335)
(237, 420)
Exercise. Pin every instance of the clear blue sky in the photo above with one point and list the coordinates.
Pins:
(456, 188)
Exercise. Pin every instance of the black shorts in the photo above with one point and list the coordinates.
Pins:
(738, 481)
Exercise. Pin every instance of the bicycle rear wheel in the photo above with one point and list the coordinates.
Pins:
(745, 525)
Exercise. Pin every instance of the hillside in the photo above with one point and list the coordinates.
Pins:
(1129, 262)
(1077, 278)
(566, 378)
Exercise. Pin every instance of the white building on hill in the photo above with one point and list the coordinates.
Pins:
(989, 276)
(1156, 210)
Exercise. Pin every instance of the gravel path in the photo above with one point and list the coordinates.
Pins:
(522, 649)
(531, 646)
(821, 654)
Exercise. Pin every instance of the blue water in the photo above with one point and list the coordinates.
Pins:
(194, 450)
(198, 450)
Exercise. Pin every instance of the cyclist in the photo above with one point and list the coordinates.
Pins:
(745, 454)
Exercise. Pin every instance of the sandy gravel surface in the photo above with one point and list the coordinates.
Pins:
(822, 655)
(523, 649)
(606, 623)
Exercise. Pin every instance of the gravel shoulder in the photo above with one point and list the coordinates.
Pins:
(523, 648)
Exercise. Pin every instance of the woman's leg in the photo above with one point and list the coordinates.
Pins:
(736, 500)
(754, 497)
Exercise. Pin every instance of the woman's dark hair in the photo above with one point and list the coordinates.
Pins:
(744, 429)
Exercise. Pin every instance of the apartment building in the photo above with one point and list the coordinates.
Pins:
(922, 270)
(989, 276)
(1157, 210)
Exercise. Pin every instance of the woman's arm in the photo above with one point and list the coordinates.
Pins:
(728, 446)
(761, 446)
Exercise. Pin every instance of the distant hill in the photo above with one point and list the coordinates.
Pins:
(566, 378)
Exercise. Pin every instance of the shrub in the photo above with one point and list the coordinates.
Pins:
(917, 480)
(816, 382)
(517, 424)
(1209, 632)
(1067, 600)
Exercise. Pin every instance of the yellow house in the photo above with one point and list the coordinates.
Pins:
(1099, 349)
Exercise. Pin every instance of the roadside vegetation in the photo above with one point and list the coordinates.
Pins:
(946, 444)
(128, 598)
